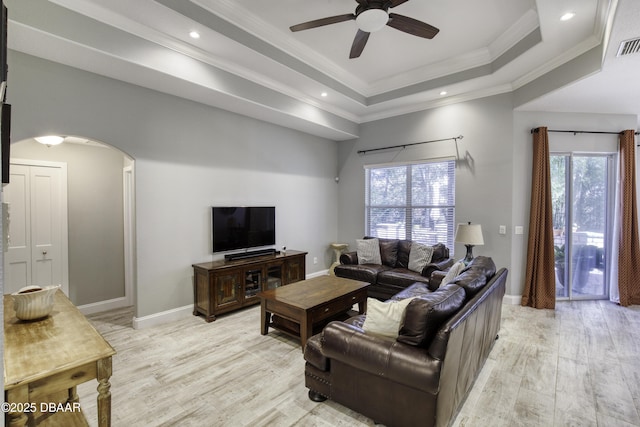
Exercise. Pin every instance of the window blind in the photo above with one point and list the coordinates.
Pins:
(413, 201)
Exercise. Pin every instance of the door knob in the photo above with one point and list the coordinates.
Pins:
(44, 252)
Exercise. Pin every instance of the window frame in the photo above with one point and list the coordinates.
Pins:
(409, 229)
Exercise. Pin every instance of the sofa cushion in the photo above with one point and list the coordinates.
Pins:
(440, 252)
(453, 273)
(383, 318)
(402, 277)
(425, 314)
(361, 272)
(368, 251)
(404, 248)
(389, 252)
(419, 256)
(475, 276)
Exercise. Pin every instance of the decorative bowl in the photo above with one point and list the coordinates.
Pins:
(33, 302)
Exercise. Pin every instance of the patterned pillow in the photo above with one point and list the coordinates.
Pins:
(453, 272)
(368, 251)
(419, 256)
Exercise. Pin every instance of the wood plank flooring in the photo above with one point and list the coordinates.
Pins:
(575, 366)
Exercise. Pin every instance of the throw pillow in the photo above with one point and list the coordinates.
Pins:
(453, 272)
(419, 256)
(384, 318)
(368, 251)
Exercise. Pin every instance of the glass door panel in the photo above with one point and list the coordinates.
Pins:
(252, 283)
(581, 197)
(274, 276)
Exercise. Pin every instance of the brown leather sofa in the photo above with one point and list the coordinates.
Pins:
(422, 377)
(393, 275)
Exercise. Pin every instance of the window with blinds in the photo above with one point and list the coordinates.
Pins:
(411, 201)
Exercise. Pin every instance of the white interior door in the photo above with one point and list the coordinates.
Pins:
(37, 248)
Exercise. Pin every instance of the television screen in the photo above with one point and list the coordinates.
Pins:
(242, 227)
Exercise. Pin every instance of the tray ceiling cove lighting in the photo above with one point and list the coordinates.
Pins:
(49, 140)
(372, 20)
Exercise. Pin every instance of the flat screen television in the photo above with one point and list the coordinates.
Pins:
(242, 227)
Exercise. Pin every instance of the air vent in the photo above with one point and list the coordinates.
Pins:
(628, 47)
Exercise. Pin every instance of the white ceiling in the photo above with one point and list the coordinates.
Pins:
(248, 61)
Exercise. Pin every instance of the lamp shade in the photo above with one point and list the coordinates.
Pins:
(469, 234)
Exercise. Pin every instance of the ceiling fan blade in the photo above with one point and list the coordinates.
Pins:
(395, 3)
(358, 44)
(323, 21)
(412, 26)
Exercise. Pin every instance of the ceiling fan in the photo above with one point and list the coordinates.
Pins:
(370, 16)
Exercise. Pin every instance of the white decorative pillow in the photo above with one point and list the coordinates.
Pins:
(368, 251)
(453, 273)
(384, 318)
(419, 256)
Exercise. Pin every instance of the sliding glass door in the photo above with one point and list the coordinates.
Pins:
(582, 202)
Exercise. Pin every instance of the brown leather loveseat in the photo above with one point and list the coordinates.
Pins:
(393, 275)
(422, 377)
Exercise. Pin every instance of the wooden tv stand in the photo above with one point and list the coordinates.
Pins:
(227, 285)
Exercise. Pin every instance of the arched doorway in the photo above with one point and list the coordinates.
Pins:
(100, 219)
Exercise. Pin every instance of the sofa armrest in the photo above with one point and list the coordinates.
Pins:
(402, 363)
(436, 279)
(445, 264)
(349, 258)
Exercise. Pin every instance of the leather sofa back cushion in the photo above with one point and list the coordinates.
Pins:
(425, 314)
(389, 252)
(476, 275)
(404, 249)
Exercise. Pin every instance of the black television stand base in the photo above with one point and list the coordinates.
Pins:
(250, 254)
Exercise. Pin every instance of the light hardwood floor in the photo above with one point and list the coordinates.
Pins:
(575, 366)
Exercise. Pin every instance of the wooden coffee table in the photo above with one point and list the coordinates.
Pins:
(299, 307)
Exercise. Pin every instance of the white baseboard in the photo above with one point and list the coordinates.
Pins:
(183, 312)
(163, 317)
(512, 299)
(317, 274)
(98, 307)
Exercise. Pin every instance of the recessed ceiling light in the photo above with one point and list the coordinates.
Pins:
(444, 92)
(194, 35)
(567, 16)
(324, 94)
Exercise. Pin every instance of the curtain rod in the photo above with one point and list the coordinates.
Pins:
(535, 130)
(455, 138)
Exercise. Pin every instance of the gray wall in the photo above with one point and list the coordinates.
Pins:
(188, 158)
(95, 217)
(493, 173)
(483, 168)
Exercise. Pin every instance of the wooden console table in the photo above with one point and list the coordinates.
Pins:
(223, 286)
(45, 357)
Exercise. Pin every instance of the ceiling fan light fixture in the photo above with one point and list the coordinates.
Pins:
(49, 140)
(371, 20)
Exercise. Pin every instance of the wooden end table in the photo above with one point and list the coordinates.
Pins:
(45, 357)
(309, 303)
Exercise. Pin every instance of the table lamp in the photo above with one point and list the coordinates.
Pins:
(469, 235)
